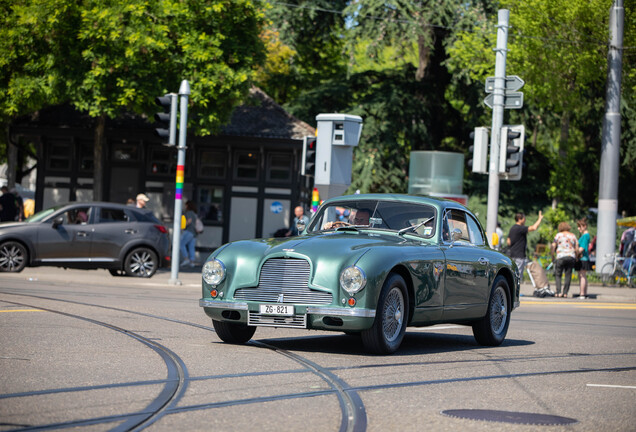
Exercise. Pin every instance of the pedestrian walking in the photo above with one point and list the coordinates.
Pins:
(565, 246)
(188, 235)
(142, 200)
(584, 256)
(518, 240)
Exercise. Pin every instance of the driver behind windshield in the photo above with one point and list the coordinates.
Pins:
(358, 217)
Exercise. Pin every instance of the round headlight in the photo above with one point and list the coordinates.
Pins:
(352, 279)
(213, 272)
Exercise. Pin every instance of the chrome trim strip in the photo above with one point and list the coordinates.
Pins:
(359, 313)
(222, 304)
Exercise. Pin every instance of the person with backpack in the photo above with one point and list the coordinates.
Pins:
(188, 235)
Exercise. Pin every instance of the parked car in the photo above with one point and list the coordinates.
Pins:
(90, 235)
(369, 265)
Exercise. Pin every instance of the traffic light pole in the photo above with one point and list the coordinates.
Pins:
(184, 93)
(497, 122)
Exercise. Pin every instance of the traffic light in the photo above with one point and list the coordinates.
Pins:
(479, 149)
(308, 167)
(511, 152)
(168, 118)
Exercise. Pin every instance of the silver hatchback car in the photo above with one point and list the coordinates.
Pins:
(89, 235)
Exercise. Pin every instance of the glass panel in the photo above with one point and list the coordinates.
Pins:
(476, 236)
(125, 151)
(112, 215)
(279, 167)
(210, 203)
(163, 161)
(59, 155)
(212, 164)
(86, 160)
(76, 216)
(246, 166)
(417, 219)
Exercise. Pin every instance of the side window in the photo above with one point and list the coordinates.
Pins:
(455, 220)
(112, 215)
(476, 236)
(77, 216)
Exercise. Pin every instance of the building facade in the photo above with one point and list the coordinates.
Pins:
(244, 181)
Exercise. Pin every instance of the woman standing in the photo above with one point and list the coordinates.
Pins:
(188, 235)
(565, 245)
(584, 242)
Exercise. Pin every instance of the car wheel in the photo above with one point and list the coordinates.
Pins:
(234, 333)
(387, 332)
(141, 262)
(491, 330)
(607, 275)
(13, 257)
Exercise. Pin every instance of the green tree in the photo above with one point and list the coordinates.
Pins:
(106, 57)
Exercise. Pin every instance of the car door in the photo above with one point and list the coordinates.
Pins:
(114, 229)
(467, 266)
(66, 236)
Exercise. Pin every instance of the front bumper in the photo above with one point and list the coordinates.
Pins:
(315, 317)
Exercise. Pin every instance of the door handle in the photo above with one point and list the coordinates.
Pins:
(130, 231)
(484, 261)
(81, 234)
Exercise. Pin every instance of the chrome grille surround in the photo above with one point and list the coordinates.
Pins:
(284, 280)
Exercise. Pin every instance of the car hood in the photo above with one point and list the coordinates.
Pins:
(4, 225)
(328, 253)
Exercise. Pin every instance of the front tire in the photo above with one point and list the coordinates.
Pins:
(392, 314)
(141, 262)
(491, 330)
(13, 257)
(607, 275)
(234, 333)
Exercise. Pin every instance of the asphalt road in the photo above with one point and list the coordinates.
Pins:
(85, 350)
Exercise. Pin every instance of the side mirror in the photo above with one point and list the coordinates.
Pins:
(456, 234)
(58, 221)
(300, 226)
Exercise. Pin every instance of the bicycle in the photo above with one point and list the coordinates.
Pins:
(613, 273)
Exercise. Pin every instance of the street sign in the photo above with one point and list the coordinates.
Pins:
(512, 83)
(512, 100)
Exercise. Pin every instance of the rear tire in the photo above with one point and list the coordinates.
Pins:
(491, 330)
(392, 314)
(234, 333)
(13, 257)
(141, 262)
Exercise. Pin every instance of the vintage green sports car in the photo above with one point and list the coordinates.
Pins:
(369, 265)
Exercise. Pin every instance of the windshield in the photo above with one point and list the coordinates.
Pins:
(41, 215)
(386, 215)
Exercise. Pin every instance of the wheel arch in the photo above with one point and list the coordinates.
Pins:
(26, 244)
(406, 275)
(126, 250)
(510, 279)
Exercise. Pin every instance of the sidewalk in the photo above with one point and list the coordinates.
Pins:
(190, 278)
(595, 292)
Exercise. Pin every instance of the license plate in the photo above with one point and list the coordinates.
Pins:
(275, 309)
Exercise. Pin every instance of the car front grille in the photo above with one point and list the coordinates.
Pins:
(284, 280)
(296, 321)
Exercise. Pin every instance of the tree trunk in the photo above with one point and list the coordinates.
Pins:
(424, 53)
(98, 152)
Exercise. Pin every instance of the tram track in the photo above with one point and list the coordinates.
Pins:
(353, 414)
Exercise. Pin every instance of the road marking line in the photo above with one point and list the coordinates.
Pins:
(436, 328)
(22, 310)
(611, 386)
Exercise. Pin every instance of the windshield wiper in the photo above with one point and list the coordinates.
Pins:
(414, 227)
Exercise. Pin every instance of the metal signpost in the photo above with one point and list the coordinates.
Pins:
(184, 93)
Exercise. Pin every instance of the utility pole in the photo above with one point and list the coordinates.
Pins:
(184, 93)
(610, 144)
(497, 121)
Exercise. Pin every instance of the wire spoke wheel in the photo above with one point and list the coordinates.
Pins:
(393, 314)
(498, 311)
